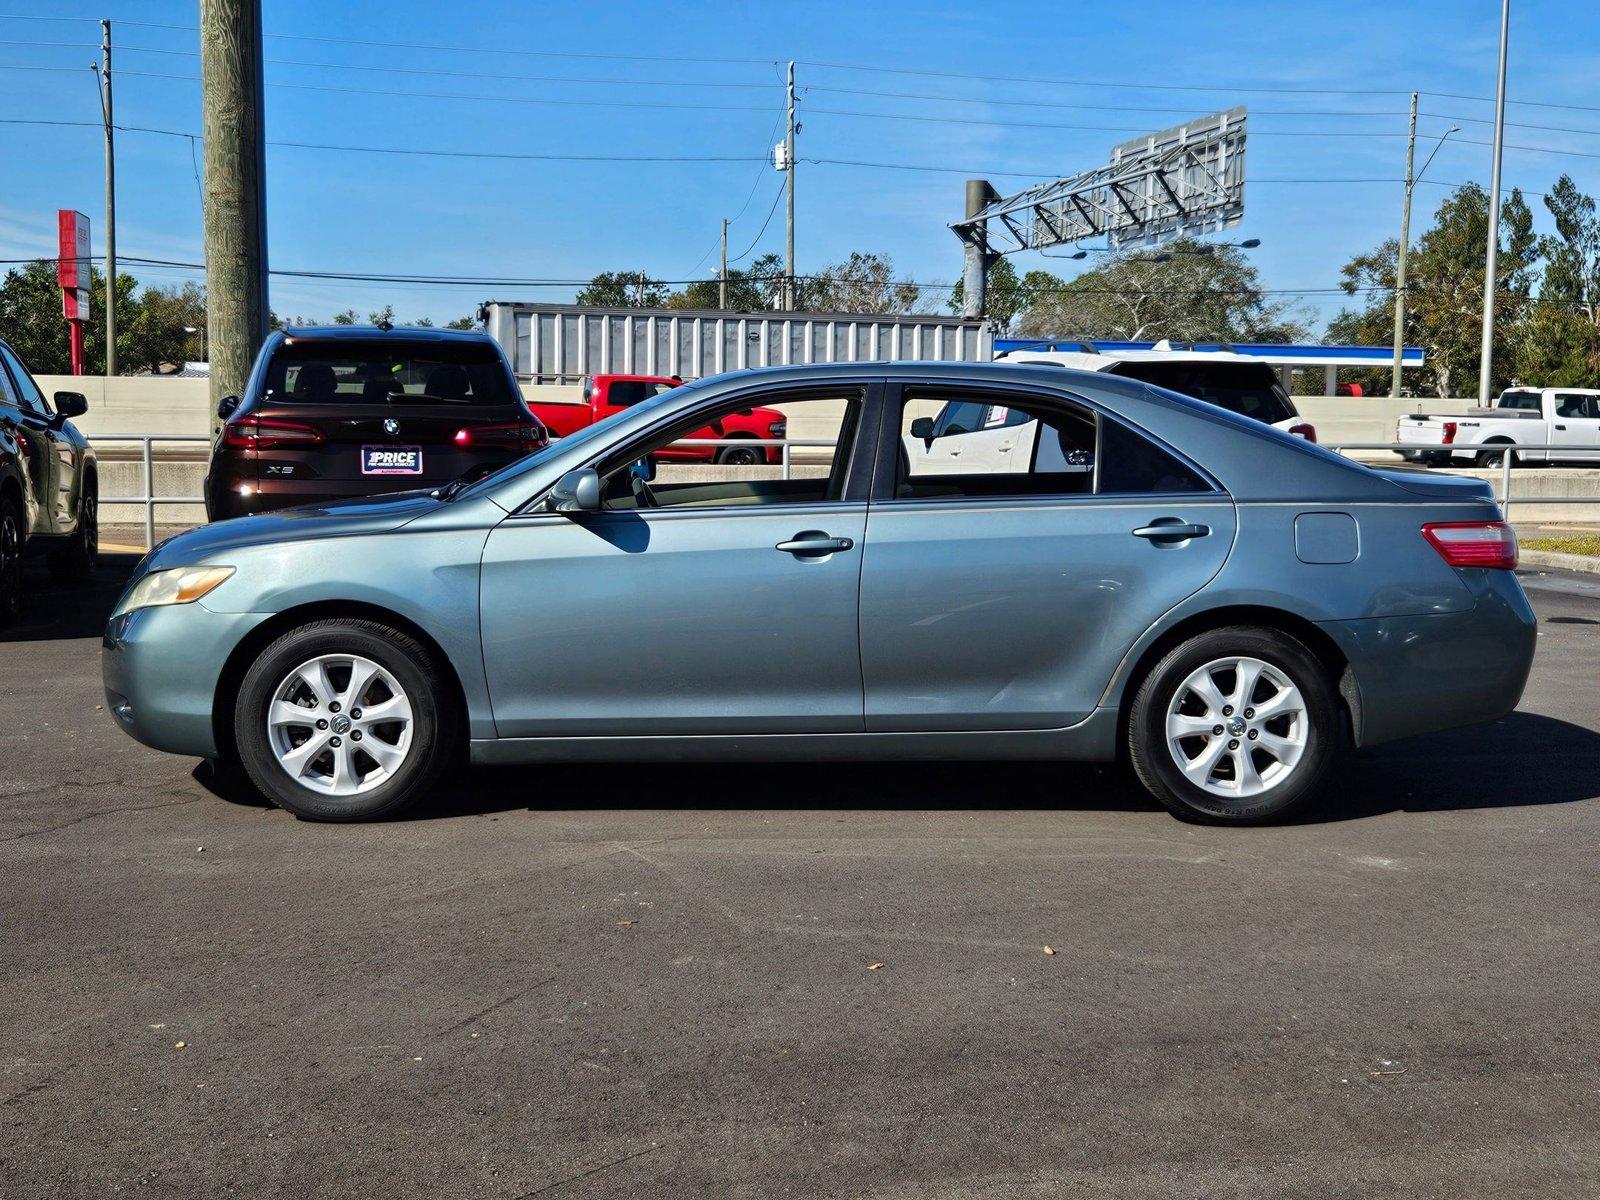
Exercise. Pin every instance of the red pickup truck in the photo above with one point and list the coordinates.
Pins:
(606, 395)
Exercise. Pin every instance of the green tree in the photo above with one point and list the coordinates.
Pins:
(348, 317)
(623, 289)
(30, 316)
(1006, 295)
(158, 335)
(862, 283)
(381, 316)
(1188, 291)
(1559, 344)
(462, 323)
(1444, 290)
(750, 289)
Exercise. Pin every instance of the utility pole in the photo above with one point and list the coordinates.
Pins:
(789, 275)
(235, 190)
(1486, 356)
(104, 76)
(1405, 246)
(722, 275)
(977, 257)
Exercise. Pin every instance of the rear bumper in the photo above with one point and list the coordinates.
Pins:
(161, 666)
(1420, 674)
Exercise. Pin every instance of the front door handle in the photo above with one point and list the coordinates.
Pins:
(813, 543)
(1173, 532)
(1563, 428)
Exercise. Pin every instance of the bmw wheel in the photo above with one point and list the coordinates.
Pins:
(344, 720)
(75, 561)
(1237, 726)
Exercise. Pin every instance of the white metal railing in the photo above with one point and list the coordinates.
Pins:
(147, 456)
(149, 500)
(1511, 452)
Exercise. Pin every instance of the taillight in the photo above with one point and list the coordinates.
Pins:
(268, 433)
(510, 435)
(1449, 433)
(1474, 543)
(1302, 430)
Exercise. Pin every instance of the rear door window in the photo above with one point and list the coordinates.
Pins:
(388, 373)
(625, 393)
(1250, 389)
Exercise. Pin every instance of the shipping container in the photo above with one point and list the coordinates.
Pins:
(562, 343)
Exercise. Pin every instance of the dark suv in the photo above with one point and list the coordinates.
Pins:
(49, 486)
(354, 410)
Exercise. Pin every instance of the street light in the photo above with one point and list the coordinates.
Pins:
(1405, 241)
(201, 331)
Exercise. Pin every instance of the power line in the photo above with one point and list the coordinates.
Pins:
(777, 197)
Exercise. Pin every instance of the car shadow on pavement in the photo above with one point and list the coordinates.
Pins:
(1521, 759)
(53, 612)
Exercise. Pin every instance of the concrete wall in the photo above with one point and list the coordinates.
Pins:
(137, 403)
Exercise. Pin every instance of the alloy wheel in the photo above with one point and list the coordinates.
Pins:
(340, 724)
(1237, 727)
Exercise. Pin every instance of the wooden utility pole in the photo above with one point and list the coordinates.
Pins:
(789, 281)
(111, 197)
(235, 190)
(1400, 260)
(722, 275)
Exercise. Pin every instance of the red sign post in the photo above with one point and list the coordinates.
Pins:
(74, 276)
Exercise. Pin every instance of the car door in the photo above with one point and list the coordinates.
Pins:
(1005, 600)
(49, 455)
(1575, 422)
(709, 599)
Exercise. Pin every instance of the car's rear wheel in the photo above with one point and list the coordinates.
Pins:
(1236, 725)
(741, 456)
(10, 560)
(75, 561)
(1495, 455)
(344, 720)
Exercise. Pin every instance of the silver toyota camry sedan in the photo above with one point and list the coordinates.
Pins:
(953, 561)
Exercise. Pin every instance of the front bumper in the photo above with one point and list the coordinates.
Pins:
(161, 667)
(1420, 674)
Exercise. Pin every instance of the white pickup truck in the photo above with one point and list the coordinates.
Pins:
(1521, 417)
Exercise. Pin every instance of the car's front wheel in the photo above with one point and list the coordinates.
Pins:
(1236, 725)
(344, 720)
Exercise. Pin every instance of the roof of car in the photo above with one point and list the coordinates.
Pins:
(410, 333)
(1097, 361)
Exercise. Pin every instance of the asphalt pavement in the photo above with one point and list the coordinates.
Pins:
(651, 981)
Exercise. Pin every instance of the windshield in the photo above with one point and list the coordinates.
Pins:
(598, 432)
(389, 372)
(1246, 388)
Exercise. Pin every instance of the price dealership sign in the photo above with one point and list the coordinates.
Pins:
(72, 263)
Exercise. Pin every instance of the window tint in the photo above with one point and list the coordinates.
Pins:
(624, 393)
(8, 394)
(1026, 449)
(391, 373)
(28, 394)
(1571, 404)
(665, 473)
(1522, 401)
(1249, 389)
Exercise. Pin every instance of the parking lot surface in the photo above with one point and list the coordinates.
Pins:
(659, 981)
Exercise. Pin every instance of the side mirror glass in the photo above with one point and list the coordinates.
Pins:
(226, 408)
(922, 427)
(644, 469)
(71, 404)
(575, 492)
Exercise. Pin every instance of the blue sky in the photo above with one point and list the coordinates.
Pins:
(701, 80)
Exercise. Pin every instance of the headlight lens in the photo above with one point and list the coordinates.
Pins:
(181, 585)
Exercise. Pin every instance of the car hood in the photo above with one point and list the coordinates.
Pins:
(338, 518)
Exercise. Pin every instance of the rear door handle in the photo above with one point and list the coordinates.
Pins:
(1173, 532)
(812, 544)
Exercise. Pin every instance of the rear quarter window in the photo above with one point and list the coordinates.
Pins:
(1249, 389)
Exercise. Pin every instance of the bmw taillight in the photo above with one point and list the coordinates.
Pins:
(509, 435)
(269, 433)
(1303, 430)
(1474, 543)
(1449, 433)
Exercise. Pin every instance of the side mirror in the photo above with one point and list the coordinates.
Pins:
(71, 404)
(575, 492)
(644, 469)
(922, 428)
(227, 407)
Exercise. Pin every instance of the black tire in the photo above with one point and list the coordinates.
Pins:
(11, 542)
(1494, 454)
(433, 718)
(742, 456)
(75, 561)
(1155, 765)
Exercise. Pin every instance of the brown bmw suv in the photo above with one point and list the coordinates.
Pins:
(356, 410)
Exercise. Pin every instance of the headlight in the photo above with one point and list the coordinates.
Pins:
(778, 429)
(181, 585)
